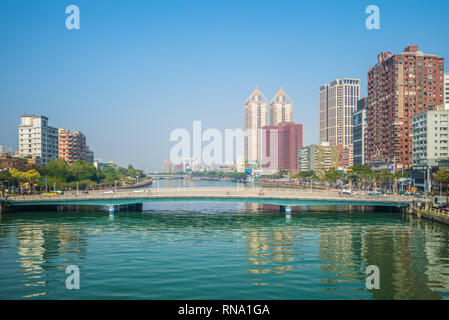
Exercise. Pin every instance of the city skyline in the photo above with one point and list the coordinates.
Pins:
(169, 71)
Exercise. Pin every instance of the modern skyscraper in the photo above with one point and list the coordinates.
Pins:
(283, 151)
(359, 123)
(399, 86)
(280, 108)
(256, 113)
(72, 146)
(37, 139)
(338, 100)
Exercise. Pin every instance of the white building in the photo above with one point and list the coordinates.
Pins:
(37, 139)
(240, 164)
(430, 137)
(7, 151)
(304, 158)
(280, 108)
(338, 101)
(188, 164)
(256, 114)
(446, 89)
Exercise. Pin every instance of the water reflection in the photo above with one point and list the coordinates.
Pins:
(308, 254)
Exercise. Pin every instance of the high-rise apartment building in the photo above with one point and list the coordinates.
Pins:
(338, 100)
(37, 139)
(359, 123)
(430, 137)
(280, 108)
(72, 145)
(256, 113)
(281, 147)
(446, 89)
(321, 157)
(399, 86)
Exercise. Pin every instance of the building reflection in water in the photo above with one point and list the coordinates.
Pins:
(270, 249)
(339, 255)
(41, 247)
(396, 249)
(346, 249)
(327, 250)
(437, 254)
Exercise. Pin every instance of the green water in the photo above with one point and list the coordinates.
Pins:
(222, 251)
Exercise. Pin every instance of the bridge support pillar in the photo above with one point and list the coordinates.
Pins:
(285, 209)
(112, 209)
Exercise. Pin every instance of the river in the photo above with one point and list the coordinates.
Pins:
(214, 250)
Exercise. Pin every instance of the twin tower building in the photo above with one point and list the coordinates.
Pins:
(275, 145)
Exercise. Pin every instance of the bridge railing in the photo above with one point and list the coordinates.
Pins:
(214, 193)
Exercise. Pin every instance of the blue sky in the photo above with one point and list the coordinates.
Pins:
(136, 70)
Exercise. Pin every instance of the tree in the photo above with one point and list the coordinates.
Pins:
(31, 177)
(81, 170)
(332, 176)
(442, 176)
(57, 168)
(361, 175)
(5, 179)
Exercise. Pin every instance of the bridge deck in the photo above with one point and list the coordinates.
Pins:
(288, 197)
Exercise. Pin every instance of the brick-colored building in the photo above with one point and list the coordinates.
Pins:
(399, 86)
(21, 164)
(281, 147)
(72, 146)
(344, 158)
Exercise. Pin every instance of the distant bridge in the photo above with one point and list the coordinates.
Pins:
(167, 176)
(281, 197)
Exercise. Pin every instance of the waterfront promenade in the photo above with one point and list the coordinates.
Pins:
(280, 196)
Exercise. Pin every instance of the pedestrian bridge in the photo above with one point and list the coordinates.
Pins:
(281, 197)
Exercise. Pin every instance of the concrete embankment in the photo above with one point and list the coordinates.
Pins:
(431, 215)
(3, 206)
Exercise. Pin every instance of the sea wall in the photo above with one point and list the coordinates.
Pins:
(429, 215)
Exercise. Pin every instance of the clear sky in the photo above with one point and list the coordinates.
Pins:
(136, 70)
